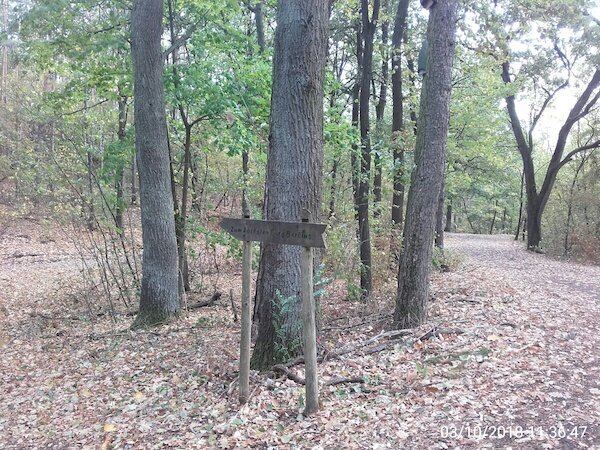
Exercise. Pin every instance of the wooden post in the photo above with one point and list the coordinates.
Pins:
(246, 323)
(304, 234)
(309, 328)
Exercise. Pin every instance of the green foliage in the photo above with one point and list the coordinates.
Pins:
(288, 341)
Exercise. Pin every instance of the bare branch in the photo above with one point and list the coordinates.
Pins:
(571, 154)
(180, 42)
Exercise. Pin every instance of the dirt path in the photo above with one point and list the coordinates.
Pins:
(507, 258)
(513, 362)
(553, 308)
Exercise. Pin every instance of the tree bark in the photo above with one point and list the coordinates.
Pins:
(294, 171)
(493, 224)
(159, 299)
(397, 113)
(439, 220)
(334, 170)
(354, 160)
(369, 25)
(427, 177)
(448, 227)
(133, 176)
(380, 112)
(520, 219)
(260, 27)
(120, 176)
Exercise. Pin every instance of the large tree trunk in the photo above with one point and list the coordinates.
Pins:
(397, 113)
(159, 299)
(364, 231)
(294, 171)
(427, 177)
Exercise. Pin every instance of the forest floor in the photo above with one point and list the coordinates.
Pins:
(509, 358)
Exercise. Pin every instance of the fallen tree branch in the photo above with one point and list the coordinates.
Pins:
(288, 373)
(211, 301)
(342, 380)
(298, 379)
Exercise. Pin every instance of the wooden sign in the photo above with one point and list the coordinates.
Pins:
(303, 234)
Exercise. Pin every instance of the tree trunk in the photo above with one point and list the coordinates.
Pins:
(260, 27)
(520, 219)
(4, 80)
(448, 227)
(534, 225)
(439, 220)
(294, 171)
(427, 177)
(493, 224)
(159, 299)
(397, 113)
(354, 160)
(536, 201)
(120, 176)
(181, 214)
(567, 245)
(133, 176)
(364, 231)
(90, 210)
(380, 113)
(334, 170)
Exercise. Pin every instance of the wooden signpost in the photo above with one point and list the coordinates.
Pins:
(304, 234)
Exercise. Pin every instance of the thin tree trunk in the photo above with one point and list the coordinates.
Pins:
(428, 175)
(260, 27)
(133, 176)
(368, 31)
(90, 212)
(439, 220)
(4, 80)
(398, 113)
(354, 160)
(380, 112)
(181, 214)
(159, 299)
(120, 176)
(334, 170)
(520, 219)
(448, 227)
(493, 224)
(567, 246)
(295, 161)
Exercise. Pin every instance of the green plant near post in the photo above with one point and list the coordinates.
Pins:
(282, 306)
(283, 347)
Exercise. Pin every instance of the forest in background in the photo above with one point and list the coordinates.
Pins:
(523, 129)
(450, 148)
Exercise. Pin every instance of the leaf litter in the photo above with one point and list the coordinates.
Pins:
(512, 342)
